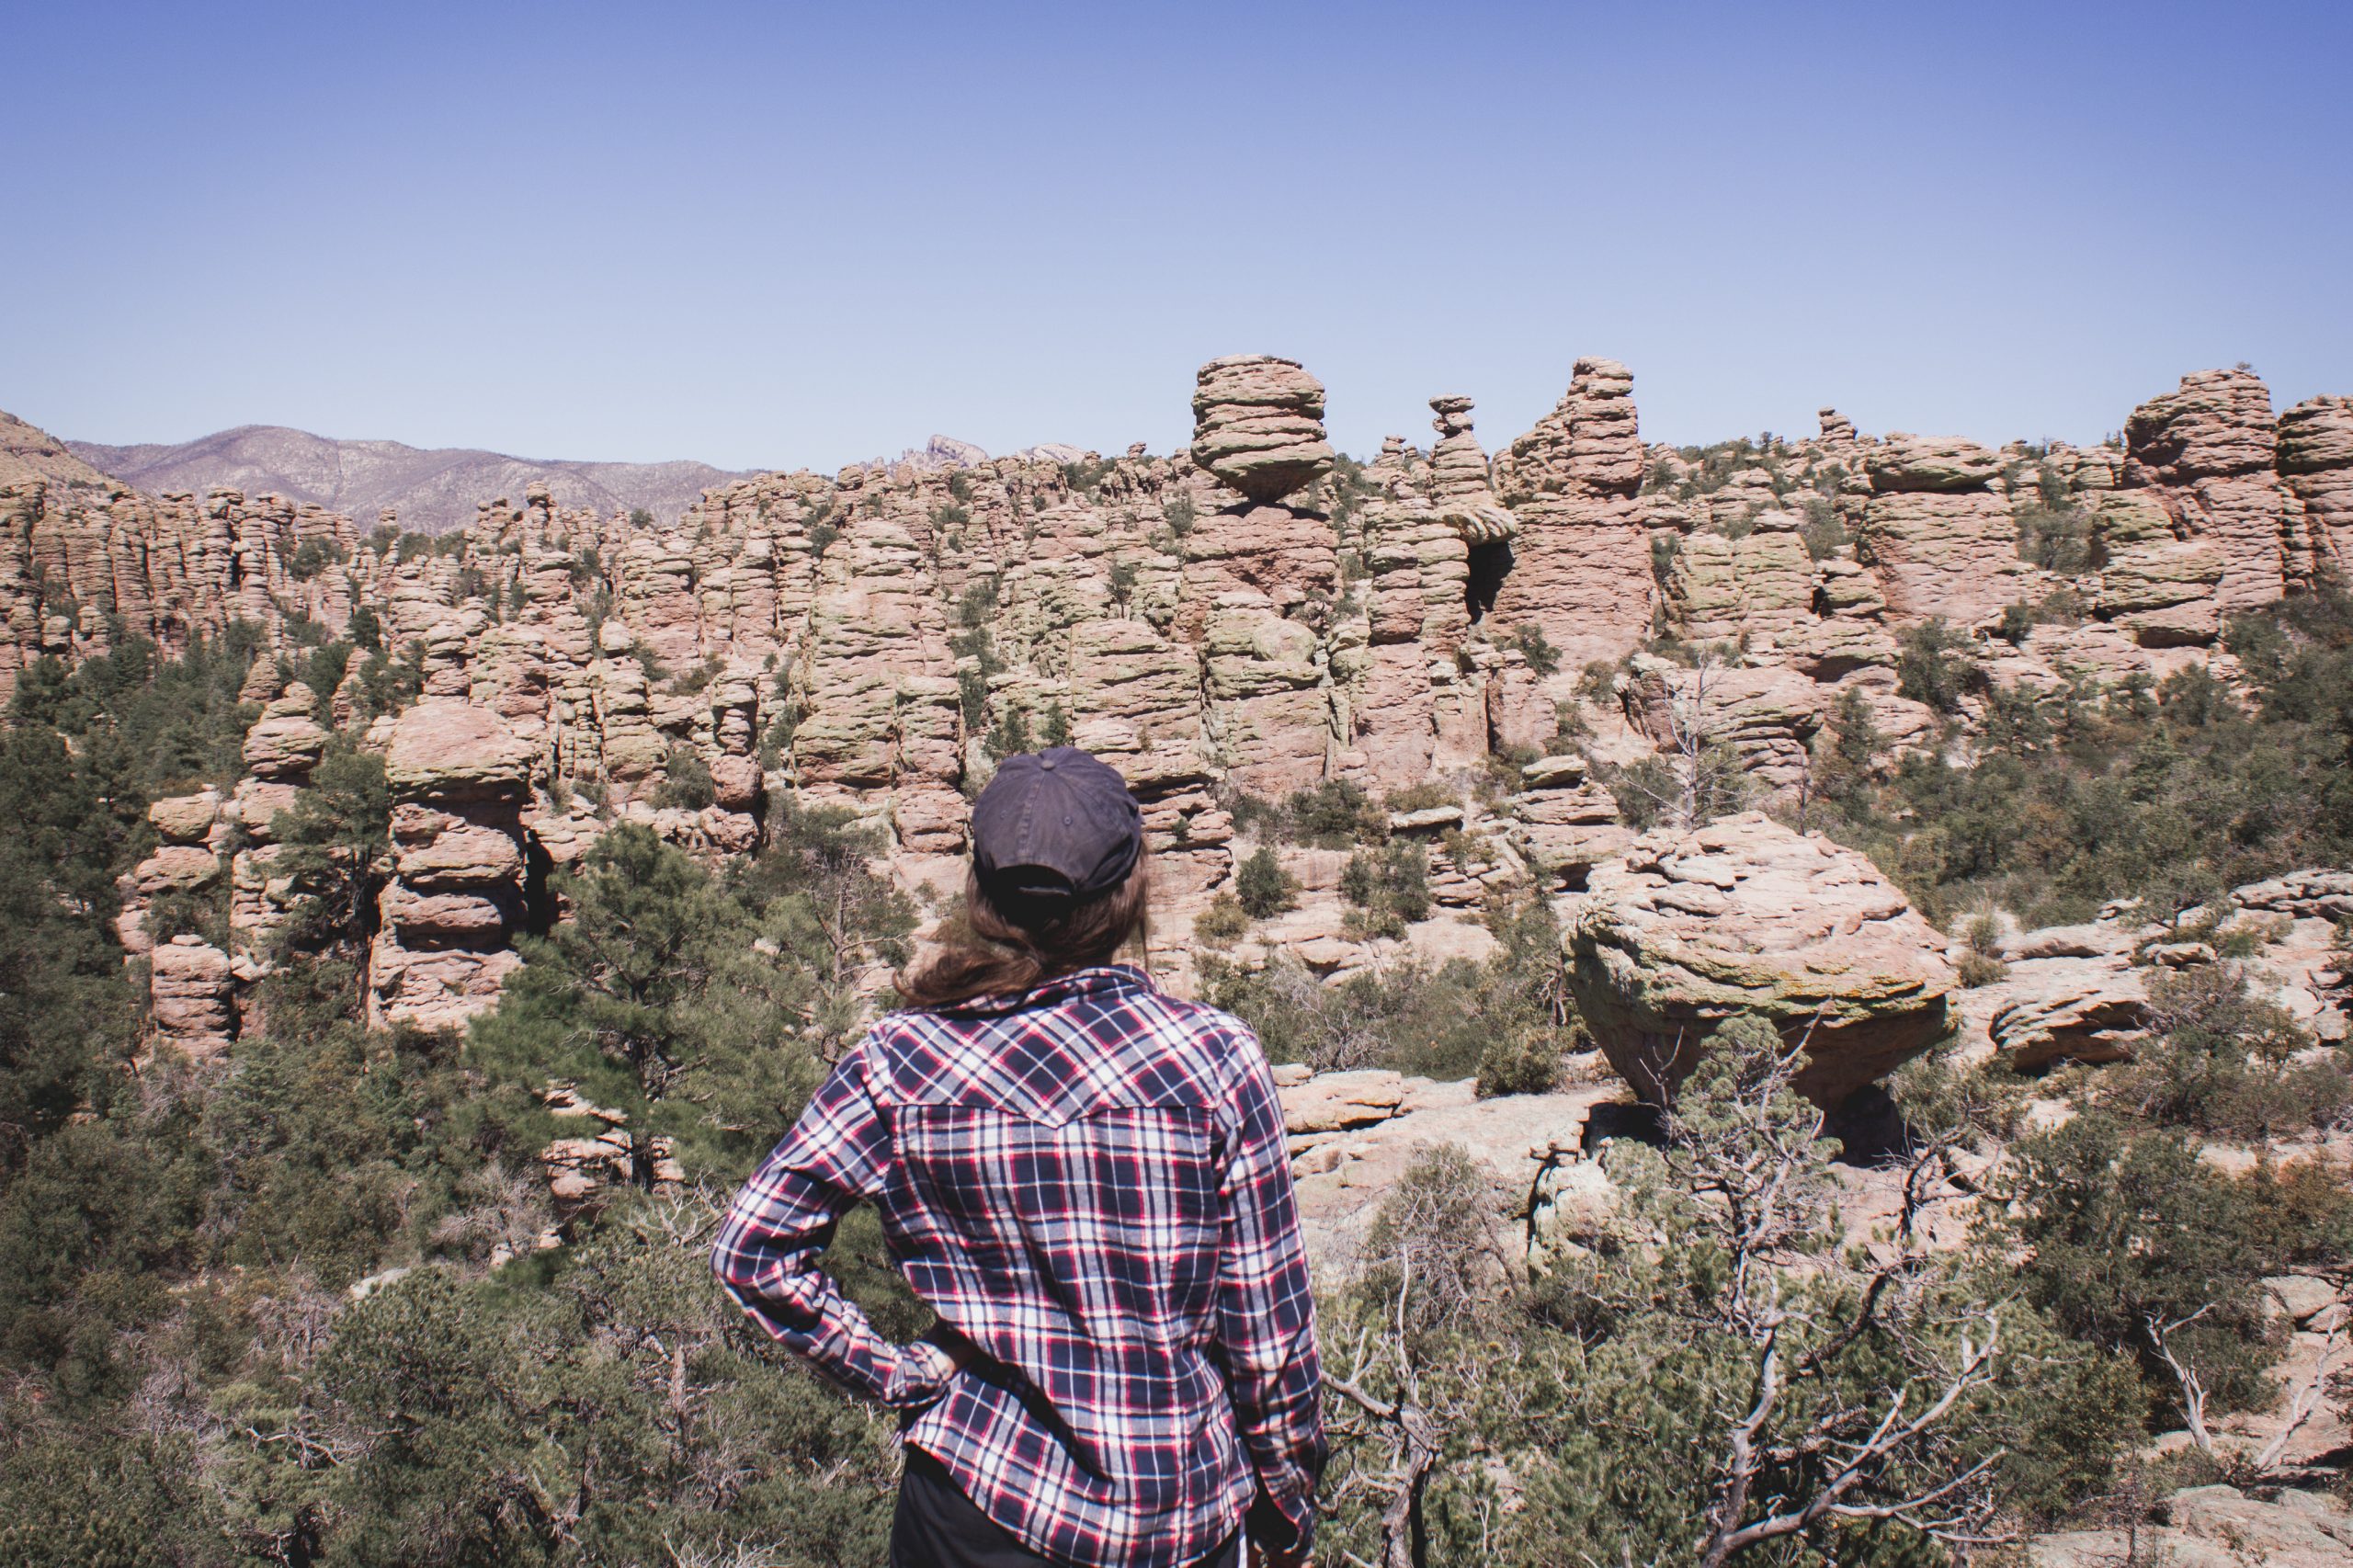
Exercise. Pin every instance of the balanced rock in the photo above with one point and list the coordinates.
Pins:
(1459, 486)
(455, 751)
(1258, 425)
(288, 742)
(1692, 927)
(459, 777)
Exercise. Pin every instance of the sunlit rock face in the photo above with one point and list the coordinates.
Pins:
(1252, 617)
(1691, 929)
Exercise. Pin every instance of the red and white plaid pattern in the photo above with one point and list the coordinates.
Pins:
(1089, 1182)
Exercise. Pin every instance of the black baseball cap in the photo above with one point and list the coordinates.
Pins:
(1053, 829)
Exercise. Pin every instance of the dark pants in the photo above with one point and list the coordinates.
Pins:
(937, 1527)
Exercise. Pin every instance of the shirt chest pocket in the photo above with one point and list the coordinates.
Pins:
(1130, 1190)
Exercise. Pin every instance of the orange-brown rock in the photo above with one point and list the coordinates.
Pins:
(460, 778)
(1258, 425)
(1692, 927)
(191, 997)
(1940, 542)
(2315, 462)
(2207, 451)
(1580, 569)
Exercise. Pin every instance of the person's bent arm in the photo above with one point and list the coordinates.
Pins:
(1266, 1325)
(766, 1252)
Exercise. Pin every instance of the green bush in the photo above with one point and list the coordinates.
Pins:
(2217, 1059)
(1389, 889)
(1225, 922)
(1526, 1061)
(2123, 1233)
(1262, 887)
(686, 784)
(1543, 659)
(1935, 666)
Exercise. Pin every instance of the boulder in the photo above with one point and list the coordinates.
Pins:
(455, 751)
(2065, 1007)
(286, 742)
(1258, 425)
(186, 819)
(1692, 927)
(1330, 1101)
(2214, 1527)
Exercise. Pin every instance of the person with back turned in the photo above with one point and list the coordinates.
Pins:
(1086, 1180)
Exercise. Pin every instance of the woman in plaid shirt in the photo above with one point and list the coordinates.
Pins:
(1085, 1179)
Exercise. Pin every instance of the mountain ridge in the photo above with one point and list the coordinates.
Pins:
(429, 489)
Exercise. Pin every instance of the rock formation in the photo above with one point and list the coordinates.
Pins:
(1258, 425)
(1581, 567)
(2315, 461)
(1744, 915)
(1459, 486)
(2207, 453)
(192, 1005)
(1245, 620)
(1942, 542)
(460, 778)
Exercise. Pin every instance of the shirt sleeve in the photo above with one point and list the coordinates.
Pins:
(780, 1224)
(1266, 1320)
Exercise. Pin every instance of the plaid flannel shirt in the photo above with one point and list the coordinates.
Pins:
(1089, 1182)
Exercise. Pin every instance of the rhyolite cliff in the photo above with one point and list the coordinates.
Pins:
(1240, 621)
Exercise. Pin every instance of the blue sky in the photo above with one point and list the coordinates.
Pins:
(786, 235)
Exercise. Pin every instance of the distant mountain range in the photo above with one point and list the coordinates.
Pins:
(432, 489)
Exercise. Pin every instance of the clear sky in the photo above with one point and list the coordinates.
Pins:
(780, 234)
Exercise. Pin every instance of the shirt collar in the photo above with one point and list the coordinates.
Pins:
(1102, 980)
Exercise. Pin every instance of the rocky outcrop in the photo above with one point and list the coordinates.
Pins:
(2214, 1526)
(2207, 451)
(1688, 929)
(1580, 569)
(1942, 543)
(1460, 490)
(1258, 425)
(460, 779)
(1250, 569)
(2071, 993)
(1565, 822)
(191, 997)
(1247, 619)
(1353, 1135)
(2159, 580)
(2316, 462)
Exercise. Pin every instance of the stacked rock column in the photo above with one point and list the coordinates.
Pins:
(2207, 451)
(2315, 462)
(459, 779)
(1255, 572)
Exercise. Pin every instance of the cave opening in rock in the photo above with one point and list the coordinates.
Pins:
(1490, 564)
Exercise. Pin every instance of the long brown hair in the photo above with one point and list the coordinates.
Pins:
(985, 953)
